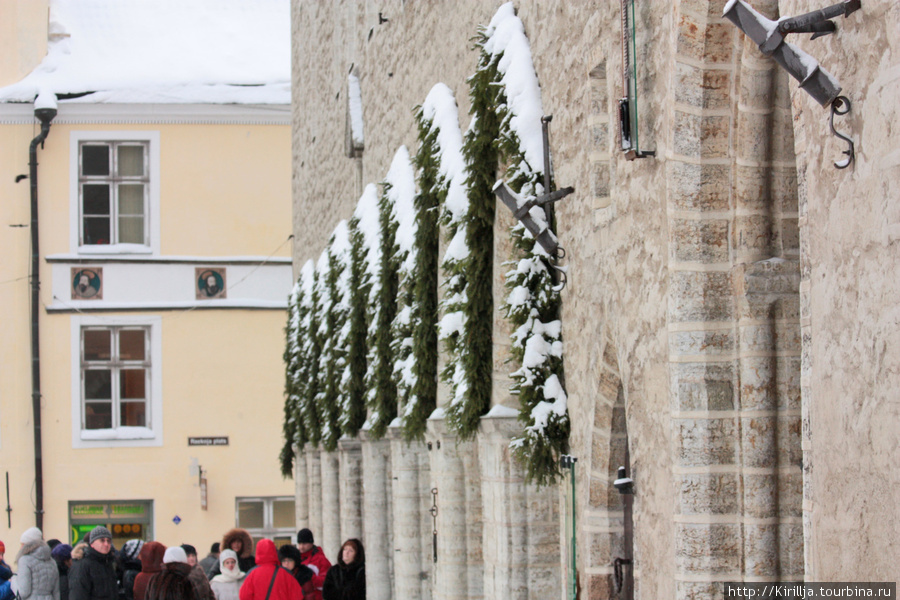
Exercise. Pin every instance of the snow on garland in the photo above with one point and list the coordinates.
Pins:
(334, 309)
(440, 169)
(363, 232)
(532, 304)
(292, 429)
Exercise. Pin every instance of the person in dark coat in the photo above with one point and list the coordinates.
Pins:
(292, 561)
(94, 576)
(211, 560)
(240, 541)
(268, 573)
(347, 579)
(129, 566)
(151, 564)
(62, 554)
(173, 582)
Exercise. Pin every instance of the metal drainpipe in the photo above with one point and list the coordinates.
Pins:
(45, 115)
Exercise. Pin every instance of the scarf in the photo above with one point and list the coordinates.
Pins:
(227, 576)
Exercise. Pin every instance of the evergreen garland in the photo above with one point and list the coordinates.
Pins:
(333, 317)
(311, 352)
(532, 304)
(423, 397)
(381, 397)
(474, 347)
(353, 384)
(292, 429)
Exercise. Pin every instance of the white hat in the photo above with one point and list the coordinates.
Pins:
(174, 554)
(32, 536)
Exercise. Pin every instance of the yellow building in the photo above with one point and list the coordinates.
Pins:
(164, 222)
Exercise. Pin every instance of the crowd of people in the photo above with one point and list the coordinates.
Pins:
(94, 570)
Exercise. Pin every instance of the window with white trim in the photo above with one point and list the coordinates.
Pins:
(113, 189)
(115, 377)
(116, 381)
(267, 517)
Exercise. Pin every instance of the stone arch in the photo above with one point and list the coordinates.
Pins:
(605, 515)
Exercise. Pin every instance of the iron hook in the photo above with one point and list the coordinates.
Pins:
(841, 106)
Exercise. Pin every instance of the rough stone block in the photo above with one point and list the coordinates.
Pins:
(701, 136)
(784, 189)
(705, 241)
(789, 450)
(702, 88)
(754, 136)
(755, 236)
(770, 495)
(600, 178)
(692, 590)
(699, 188)
(758, 86)
(700, 296)
(709, 42)
(790, 236)
(600, 137)
(708, 493)
(752, 188)
(760, 441)
(707, 548)
(712, 343)
(710, 394)
(600, 587)
(704, 442)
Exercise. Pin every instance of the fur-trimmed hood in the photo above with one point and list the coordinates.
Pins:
(239, 534)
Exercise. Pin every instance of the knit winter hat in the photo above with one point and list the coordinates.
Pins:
(32, 535)
(174, 554)
(305, 536)
(62, 552)
(131, 550)
(98, 533)
(2, 548)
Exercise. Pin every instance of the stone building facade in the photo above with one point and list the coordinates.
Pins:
(729, 318)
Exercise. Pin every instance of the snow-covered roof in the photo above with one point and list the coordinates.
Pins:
(164, 51)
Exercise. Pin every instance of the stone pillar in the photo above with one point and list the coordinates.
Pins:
(376, 469)
(331, 539)
(426, 522)
(314, 487)
(350, 451)
(301, 493)
(407, 508)
(448, 475)
(521, 522)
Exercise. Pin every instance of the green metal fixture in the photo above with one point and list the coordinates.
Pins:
(568, 462)
(628, 104)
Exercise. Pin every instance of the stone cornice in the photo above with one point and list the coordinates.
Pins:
(153, 114)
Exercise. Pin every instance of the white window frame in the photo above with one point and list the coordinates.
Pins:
(151, 209)
(268, 529)
(152, 435)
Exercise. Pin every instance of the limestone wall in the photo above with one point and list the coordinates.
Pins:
(850, 224)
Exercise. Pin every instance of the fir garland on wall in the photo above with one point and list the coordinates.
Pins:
(311, 352)
(353, 384)
(292, 429)
(381, 396)
(334, 312)
(532, 304)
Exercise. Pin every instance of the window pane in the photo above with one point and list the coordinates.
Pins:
(131, 161)
(96, 344)
(96, 199)
(95, 160)
(132, 384)
(131, 199)
(96, 230)
(283, 514)
(283, 540)
(97, 384)
(134, 414)
(98, 415)
(131, 344)
(131, 230)
(250, 514)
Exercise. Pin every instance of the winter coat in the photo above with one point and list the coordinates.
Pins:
(227, 584)
(93, 577)
(38, 577)
(63, 580)
(198, 579)
(315, 559)
(209, 564)
(5, 571)
(257, 582)
(246, 561)
(172, 583)
(151, 563)
(347, 582)
(301, 572)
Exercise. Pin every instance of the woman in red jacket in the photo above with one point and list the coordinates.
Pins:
(269, 574)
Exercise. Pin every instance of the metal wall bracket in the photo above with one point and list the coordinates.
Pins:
(841, 106)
